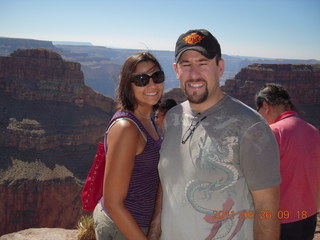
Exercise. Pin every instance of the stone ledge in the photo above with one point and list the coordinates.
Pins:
(42, 234)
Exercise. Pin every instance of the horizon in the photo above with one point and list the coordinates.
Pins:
(88, 44)
(275, 29)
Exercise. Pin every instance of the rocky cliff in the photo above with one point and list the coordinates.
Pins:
(302, 82)
(46, 103)
(50, 123)
(41, 74)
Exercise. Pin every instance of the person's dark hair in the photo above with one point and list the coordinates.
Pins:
(166, 105)
(273, 94)
(125, 96)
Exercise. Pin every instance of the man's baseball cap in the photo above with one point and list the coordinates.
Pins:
(199, 40)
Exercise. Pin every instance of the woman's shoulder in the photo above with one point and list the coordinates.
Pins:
(123, 125)
(122, 133)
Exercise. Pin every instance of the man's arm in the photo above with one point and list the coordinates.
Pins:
(266, 222)
(155, 225)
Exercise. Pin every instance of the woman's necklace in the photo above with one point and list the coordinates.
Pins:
(141, 115)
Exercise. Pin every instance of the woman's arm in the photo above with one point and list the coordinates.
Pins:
(155, 226)
(124, 141)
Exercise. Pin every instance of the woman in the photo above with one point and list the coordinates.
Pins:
(131, 177)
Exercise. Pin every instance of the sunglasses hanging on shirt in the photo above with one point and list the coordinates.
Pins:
(194, 124)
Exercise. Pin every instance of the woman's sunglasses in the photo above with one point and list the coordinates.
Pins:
(143, 79)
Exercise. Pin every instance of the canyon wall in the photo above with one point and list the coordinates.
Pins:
(50, 124)
(301, 81)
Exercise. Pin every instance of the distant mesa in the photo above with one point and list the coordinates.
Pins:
(72, 43)
(101, 65)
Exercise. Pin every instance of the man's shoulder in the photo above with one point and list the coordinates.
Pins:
(239, 104)
(179, 108)
(243, 111)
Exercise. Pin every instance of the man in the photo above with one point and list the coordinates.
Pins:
(299, 144)
(219, 164)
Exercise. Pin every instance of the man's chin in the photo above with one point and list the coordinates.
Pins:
(197, 99)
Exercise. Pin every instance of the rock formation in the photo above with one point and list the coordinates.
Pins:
(301, 81)
(40, 74)
(50, 124)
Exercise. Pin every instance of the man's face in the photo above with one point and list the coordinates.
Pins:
(199, 76)
(159, 118)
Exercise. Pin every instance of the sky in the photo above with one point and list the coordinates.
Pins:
(288, 29)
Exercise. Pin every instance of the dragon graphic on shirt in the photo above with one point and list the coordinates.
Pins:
(214, 159)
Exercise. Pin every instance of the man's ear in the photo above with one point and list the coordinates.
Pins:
(221, 67)
(267, 107)
(175, 68)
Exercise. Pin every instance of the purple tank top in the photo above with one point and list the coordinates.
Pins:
(143, 186)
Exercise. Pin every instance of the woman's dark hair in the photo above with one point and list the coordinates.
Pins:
(125, 96)
(273, 94)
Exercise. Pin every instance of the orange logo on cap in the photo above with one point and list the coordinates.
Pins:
(193, 38)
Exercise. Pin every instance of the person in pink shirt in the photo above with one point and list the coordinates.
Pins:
(299, 146)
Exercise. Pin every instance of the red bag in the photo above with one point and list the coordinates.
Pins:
(92, 189)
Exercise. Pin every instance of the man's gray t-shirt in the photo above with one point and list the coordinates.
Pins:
(207, 180)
